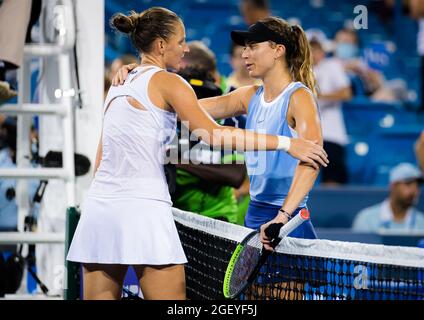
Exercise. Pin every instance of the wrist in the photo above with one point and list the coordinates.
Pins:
(283, 215)
(283, 143)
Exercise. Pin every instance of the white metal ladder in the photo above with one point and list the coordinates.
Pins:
(24, 110)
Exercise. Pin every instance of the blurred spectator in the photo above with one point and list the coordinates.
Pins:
(333, 88)
(254, 10)
(240, 76)
(347, 50)
(8, 136)
(14, 19)
(398, 211)
(417, 12)
(372, 82)
(8, 207)
(419, 151)
(119, 62)
(202, 59)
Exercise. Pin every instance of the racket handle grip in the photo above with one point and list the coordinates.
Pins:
(296, 221)
(273, 230)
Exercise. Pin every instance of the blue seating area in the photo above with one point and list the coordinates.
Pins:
(210, 21)
(337, 207)
(372, 238)
(381, 134)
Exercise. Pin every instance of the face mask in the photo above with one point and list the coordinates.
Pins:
(346, 51)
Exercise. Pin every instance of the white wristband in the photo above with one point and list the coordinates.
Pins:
(283, 143)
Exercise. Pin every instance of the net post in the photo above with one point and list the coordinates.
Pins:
(72, 288)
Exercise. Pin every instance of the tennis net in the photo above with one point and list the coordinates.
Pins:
(299, 268)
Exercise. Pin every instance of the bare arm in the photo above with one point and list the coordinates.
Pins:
(202, 125)
(179, 94)
(303, 116)
(304, 113)
(229, 105)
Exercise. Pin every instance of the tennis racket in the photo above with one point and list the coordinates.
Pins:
(250, 255)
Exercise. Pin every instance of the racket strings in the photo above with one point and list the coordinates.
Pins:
(245, 264)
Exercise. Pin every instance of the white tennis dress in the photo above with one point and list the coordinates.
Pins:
(126, 217)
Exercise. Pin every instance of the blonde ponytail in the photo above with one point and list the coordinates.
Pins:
(298, 51)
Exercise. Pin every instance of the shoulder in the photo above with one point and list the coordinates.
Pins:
(245, 94)
(301, 90)
(165, 78)
(301, 96)
(251, 90)
(170, 83)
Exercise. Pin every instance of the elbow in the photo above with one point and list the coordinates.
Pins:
(312, 170)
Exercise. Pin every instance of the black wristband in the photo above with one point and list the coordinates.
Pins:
(288, 215)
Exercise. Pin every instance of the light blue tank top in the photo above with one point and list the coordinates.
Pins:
(271, 172)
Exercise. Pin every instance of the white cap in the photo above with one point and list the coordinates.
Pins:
(405, 172)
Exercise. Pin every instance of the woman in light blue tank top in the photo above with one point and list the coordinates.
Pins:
(279, 55)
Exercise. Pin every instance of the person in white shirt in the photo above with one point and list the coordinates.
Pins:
(347, 51)
(334, 88)
(396, 212)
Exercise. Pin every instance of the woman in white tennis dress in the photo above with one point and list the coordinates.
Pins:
(128, 201)
(126, 217)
